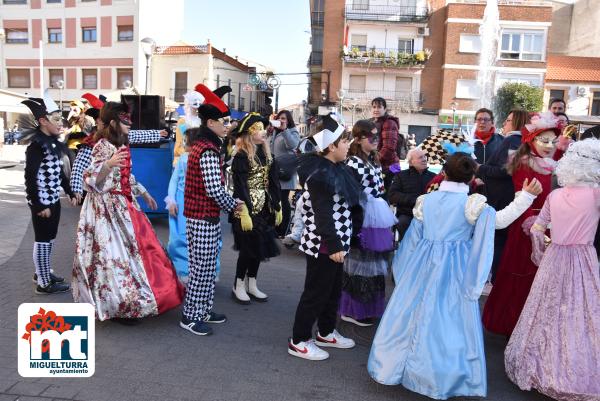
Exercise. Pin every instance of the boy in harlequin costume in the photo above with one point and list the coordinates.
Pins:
(205, 196)
(331, 192)
(84, 148)
(45, 174)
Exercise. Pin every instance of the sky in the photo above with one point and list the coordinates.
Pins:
(275, 33)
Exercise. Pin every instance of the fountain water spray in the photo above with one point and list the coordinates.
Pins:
(489, 32)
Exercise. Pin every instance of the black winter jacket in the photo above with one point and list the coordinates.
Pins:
(407, 186)
(484, 152)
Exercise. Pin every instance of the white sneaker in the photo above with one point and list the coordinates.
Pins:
(307, 350)
(335, 340)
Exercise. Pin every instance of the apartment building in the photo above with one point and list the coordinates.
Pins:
(86, 45)
(177, 68)
(421, 55)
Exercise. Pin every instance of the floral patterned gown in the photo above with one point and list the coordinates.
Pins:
(120, 266)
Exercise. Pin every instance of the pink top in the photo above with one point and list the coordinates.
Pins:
(573, 213)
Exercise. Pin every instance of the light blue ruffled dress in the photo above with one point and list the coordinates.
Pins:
(177, 247)
(430, 337)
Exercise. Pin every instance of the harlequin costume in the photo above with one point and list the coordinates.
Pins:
(255, 181)
(331, 192)
(516, 271)
(555, 346)
(45, 174)
(205, 197)
(120, 266)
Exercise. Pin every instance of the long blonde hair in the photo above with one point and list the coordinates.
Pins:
(244, 143)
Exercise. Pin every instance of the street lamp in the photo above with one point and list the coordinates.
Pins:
(454, 106)
(341, 94)
(148, 45)
(60, 84)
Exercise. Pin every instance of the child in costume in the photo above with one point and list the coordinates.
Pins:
(85, 146)
(192, 101)
(331, 190)
(205, 196)
(535, 158)
(120, 266)
(255, 182)
(365, 266)
(44, 176)
(430, 338)
(555, 346)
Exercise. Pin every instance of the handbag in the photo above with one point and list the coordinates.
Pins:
(287, 165)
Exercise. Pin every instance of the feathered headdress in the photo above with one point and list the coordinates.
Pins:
(539, 123)
(452, 148)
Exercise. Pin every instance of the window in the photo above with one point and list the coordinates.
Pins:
(359, 41)
(596, 104)
(53, 1)
(55, 75)
(357, 83)
(125, 33)
(360, 4)
(231, 101)
(18, 78)
(403, 86)
(7, 2)
(17, 36)
(54, 35)
(242, 104)
(467, 89)
(90, 78)
(124, 75)
(88, 34)
(556, 94)
(181, 82)
(530, 79)
(522, 46)
(469, 43)
(405, 46)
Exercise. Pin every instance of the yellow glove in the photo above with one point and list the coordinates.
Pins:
(245, 219)
(278, 216)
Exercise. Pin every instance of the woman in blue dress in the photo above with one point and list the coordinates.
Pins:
(430, 338)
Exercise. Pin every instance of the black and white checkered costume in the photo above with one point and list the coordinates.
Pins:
(44, 177)
(310, 241)
(433, 145)
(368, 174)
(203, 238)
(84, 155)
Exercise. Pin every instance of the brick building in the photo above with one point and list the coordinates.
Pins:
(89, 45)
(358, 46)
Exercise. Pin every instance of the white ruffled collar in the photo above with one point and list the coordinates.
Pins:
(451, 186)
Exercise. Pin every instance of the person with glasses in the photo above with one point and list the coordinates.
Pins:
(45, 174)
(204, 198)
(499, 187)
(365, 266)
(407, 186)
(542, 145)
(487, 141)
(120, 266)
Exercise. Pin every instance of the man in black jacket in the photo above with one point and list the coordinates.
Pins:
(407, 186)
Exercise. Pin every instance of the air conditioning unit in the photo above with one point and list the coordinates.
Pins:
(582, 91)
(423, 31)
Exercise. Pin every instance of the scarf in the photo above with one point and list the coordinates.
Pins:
(484, 136)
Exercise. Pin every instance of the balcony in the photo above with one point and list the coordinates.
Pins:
(317, 18)
(390, 58)
(387, 13)
(400, 101)
(315, 58)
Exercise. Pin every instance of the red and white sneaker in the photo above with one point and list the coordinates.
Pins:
(307, 350)
(335, 340)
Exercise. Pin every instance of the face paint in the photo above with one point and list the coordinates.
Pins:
(124, 118)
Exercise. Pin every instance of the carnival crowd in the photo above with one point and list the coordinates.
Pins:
(515, 212)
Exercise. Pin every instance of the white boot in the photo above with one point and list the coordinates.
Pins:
(254, 292)
(239, 292)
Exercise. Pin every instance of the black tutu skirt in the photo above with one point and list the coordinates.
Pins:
(259, 243)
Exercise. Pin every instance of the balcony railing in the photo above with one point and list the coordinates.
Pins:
(387, 13)
(317, 18)
(398, 100)
(316, 58)
(385, 57)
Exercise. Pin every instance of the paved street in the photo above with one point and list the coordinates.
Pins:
(245, 359)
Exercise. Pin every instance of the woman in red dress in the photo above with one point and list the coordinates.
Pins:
(542, 145)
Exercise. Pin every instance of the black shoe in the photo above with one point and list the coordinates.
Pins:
(215, 318)
(53, 278)
(196, 327)
(125, 321)
(52, 288)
